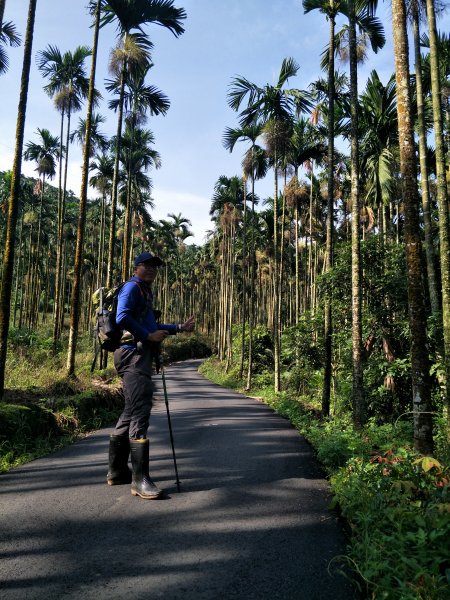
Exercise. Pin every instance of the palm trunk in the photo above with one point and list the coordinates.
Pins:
(221, 315)
(244, 278)
(35, 279)
(13, 207)
(328, 325)
(309, 277)
(26, 278)
(76, 292)
(229, 318)
(47, 289)
(101, 241)
(423, 428)
(115, 185)
(58, 230)
(166, 295)
(381, 228)
(251, 323)
(19, 271)
(64, 295)
(444, 231)
(359, 409)
(282, 257)
(126, 232)
(221, 308)
(297, 266)
(28, 288)
(128, 211)
(429, 249)
(59, 299)
(2, 11)
(276, 298)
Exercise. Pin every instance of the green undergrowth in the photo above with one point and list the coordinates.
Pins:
(184, 347)
(31, 430)
(37, 427)
(43, 409)
(395, 502)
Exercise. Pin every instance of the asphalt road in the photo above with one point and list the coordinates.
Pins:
(251, 521)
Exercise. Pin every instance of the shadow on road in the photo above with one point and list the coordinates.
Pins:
(251, 521)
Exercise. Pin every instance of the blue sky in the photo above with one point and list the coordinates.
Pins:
(222, 40)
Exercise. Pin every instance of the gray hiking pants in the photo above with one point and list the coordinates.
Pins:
(135, 368)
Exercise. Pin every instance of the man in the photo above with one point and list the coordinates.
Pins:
(133, 362)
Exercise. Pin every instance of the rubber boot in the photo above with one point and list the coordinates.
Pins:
(141, 484)
(119, 450)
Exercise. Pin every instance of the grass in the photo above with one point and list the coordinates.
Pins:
(43, 409)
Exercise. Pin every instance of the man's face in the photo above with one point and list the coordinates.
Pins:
(147, 272)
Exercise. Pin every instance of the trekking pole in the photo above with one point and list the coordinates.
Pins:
(166, 400)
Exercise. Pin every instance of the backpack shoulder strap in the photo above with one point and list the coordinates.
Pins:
(121, 285)
(135, 283)
(146, 295)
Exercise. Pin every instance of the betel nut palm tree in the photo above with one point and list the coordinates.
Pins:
(306, 147)
(76, 284)
(378, 124)
(138, 100)
(274, 106)
(99, 141)
(136, 157)
(44, 153)
(130, 17)
(442, 192)
(423, 430)
(250, 166)
(13, 205)
(68, 85)
(180, 227)
(102, 168)
(363, 15)
(416, 12)
(330, 8)
(226, 210)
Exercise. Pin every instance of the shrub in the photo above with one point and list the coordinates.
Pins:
(262, 347)
(33, 430)
(186, 347)
(20, 422)
(398, 505)
(88, 410)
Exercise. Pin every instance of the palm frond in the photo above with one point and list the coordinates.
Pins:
(49, 60)
(4, 61)
(289, 68)
(302, 100)
(9, 35)
(241, 87)
(373, 28)
(323, 6)
(134, 14)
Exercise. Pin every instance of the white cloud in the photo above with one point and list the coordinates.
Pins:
(191, 206)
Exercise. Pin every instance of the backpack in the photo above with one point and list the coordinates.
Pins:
(107, 334)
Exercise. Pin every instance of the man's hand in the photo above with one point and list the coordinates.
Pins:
(188, 325)
(157, 336)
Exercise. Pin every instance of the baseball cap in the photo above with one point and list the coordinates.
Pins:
(147, 257)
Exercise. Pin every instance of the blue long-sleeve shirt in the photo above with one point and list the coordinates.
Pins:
(135, 311)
